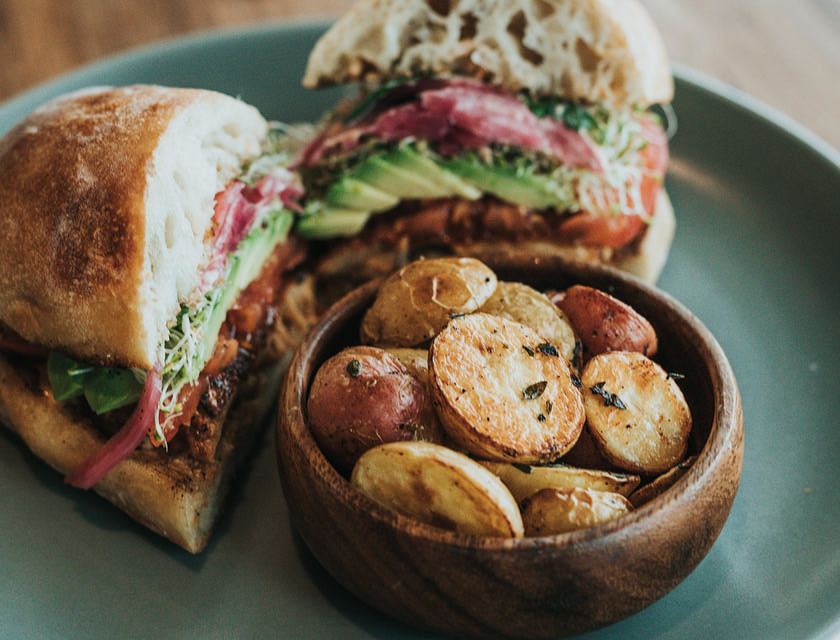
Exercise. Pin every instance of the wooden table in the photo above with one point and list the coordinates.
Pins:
(786, 53)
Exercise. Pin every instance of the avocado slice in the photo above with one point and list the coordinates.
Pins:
(331, 222)
(398, 181)
(410, 159)
(350, 193)
(528, 189)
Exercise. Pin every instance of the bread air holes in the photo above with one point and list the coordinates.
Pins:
(468, 26)
(440, 7)
(517, 27)
(587, 56)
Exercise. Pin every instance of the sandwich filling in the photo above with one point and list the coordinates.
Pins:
(532, 168)
(217, 332)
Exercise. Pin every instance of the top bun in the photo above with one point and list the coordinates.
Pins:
(606, 51)
(106, 209)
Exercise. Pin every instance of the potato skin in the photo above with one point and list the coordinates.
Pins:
(439, 486)
(552, 511)
(416, 302)
(605, 323)
(353, 408)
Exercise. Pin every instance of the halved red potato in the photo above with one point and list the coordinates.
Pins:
(552, 511)
(416, 361)
(605, 323)
(359, 398)
(635, 411)
(438, 486)
(502, 392)
(414, 303)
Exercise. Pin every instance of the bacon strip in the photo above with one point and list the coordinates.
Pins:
(457, 115)
(124, 441)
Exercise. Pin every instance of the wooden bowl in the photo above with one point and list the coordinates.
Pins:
(551, 586)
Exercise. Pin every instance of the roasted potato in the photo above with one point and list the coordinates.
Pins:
(359, 398)
(521, 303)
(501, 392)
(439, 486)
(658, 485)
(552, 511)
(415, 303)
(635, 411)
(416, 361)
(586, 454)
(524, 480)
(605, 323)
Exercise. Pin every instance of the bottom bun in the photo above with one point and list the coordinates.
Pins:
(175, 495)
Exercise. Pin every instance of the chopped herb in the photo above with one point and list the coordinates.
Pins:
(610, 399)
(354, 368)
(577, 117)
(534, 390)
(548, 407)
(548, 349)
(529, 350)
(541, 417)
(524, 468)
(676, 376)
(577, 355)
(457, 314)
(576, 381)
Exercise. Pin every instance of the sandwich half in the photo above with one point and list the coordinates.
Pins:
(149, 298)
(490, 126)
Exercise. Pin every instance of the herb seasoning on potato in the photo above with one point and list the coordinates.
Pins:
(489, 393)
(565, 420)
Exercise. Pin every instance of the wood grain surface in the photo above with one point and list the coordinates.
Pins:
(785, 53)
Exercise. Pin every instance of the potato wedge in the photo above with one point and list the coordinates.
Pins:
(521, 303)
(552, 511)
(359, 398)
(657, 486)
(635, 411)
(438, 486)
(415, 303)
(524, 480)
(605, 323)
(501, 392)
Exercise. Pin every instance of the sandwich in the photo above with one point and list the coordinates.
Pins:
(490, 126)
(150, 294)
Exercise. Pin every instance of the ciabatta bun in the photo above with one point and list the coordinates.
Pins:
(174, 494)
(606, 51)
(106, 206)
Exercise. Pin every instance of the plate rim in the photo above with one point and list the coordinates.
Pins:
(29, 98)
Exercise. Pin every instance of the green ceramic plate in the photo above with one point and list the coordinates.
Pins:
(756, 257)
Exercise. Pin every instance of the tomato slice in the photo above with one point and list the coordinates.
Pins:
(606, 228)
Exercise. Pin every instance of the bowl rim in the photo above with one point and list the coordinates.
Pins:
(725, 432)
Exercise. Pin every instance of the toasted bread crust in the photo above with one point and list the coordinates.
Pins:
(173, 495)
(77, 242)
(595, 50)
(76, 267)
